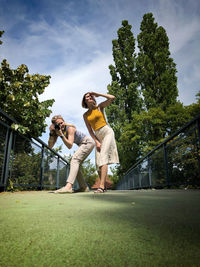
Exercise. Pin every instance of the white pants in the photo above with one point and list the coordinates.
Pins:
(85, 148)
(108, 153)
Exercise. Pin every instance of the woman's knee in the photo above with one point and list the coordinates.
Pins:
(75, 160)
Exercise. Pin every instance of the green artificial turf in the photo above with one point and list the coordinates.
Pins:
(118, 228)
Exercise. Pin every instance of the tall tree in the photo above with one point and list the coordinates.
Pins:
(155, 68)
(19, 98)
(124, 81)
(124, 86)
(141, 125)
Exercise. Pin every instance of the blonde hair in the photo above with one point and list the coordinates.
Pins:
(56, 117)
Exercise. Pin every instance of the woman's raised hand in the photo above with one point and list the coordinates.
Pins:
(94, 94)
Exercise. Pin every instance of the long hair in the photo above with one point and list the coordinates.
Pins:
(56, 117)
(84, 104)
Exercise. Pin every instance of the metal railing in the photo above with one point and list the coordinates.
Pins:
(176, 162)
(28, 162)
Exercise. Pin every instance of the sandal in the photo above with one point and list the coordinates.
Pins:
(100, 190)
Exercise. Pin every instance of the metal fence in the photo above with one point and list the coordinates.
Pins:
(176, 161)
(28, 162)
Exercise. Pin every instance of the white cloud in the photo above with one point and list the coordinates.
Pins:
(67, 88)
(181, 24)
(44, 47)
(181, 20)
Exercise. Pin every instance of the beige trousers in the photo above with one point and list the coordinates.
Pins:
(108, 153)
(85, 148)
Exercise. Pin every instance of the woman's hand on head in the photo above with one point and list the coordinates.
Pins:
(94, 94)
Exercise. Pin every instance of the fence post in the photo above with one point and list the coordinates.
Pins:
(149, 172)
(9, 139)
(166, 164)
(198, 142)
(133, 181)
(4, 162)
(67, 171)
(140, 178)
(57, 174)
(42, 168)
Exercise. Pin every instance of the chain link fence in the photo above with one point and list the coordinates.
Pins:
(174, 162)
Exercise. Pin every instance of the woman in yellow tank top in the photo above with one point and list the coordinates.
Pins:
(103, 135)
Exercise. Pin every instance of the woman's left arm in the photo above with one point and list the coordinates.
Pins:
(106, 103)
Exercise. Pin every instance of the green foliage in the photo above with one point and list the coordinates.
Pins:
(10, 187)
(155, 69)
(19, 98)
(89, 172)
(114, 177)
(124, 86)
(141, 123)
(183, 158)
(25, 168)
(145, 130)
(150, 128)
(194, 109)
(124, 82)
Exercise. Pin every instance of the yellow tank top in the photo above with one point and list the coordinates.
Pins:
(96, 119)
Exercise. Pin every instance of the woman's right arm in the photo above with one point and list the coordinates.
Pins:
(91, 132)
(106, 103)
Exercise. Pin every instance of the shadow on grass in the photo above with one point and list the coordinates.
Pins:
(171, 214)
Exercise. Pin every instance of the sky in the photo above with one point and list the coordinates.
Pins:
(71, 40)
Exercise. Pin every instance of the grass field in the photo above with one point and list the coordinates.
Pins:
(118, 228)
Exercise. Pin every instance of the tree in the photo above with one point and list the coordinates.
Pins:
(142, 129)
(19, 98)
(114, 177)
(124, 82)
(156, 73)
(124, 86)
(26, 168)
(89, 172)
(141, 123)
(155, 69)
(150, 128)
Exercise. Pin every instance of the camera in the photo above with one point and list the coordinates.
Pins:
(57, 126)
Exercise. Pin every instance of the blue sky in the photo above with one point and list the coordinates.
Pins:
(72, 42)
